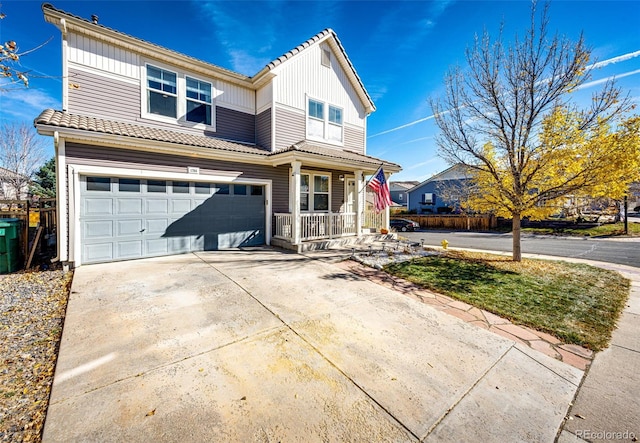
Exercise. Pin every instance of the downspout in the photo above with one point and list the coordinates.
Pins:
(56, 142)
(65, 67)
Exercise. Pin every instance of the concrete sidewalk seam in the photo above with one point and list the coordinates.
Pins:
(317, 351)
(457, 402)
(168, 364)
(625, 348)
(551, 369)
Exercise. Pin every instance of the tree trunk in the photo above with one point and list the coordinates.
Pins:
(517, 250)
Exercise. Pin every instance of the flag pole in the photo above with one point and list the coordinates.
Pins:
(375, 173)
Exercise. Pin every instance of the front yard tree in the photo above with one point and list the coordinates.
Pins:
(499, 116)
(21, 153)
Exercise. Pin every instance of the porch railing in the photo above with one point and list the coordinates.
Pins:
(316, 225)
(373, 220)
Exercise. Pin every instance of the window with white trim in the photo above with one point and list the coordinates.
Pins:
(198, 101)
(324, 121)
(334, 130)
(314, 192)
(162, 92)
(315, 122)
(175, 97)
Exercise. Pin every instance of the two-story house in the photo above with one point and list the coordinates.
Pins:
(398, 191)
(442, 192)
(159, 153)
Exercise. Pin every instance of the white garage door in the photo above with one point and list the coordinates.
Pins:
(124, 218)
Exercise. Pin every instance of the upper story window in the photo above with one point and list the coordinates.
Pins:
(324, 122)
(334, 131)
(174, 97)
(198, 101)
(162, 92)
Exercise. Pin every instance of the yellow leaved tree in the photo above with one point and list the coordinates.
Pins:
(509, 119)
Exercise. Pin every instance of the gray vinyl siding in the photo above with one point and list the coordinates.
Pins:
(87, 155)
(337, 191)
(234, 125)
(104, 97)
(263, 129)
(290, 128)
(354, 139)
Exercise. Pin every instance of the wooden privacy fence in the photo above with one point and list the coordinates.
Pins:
(458, 222)
(38, 225)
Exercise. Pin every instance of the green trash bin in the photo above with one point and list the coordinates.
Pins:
(9, 245)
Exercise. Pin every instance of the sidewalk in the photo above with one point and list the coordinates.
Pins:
(607, 405)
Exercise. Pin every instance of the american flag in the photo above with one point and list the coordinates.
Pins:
(380, 187)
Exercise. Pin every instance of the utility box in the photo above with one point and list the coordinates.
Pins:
(9, 245)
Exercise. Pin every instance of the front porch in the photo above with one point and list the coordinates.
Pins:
(322, 230)
(327, 198)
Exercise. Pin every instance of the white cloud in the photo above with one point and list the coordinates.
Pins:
(618, 59)
(415, 140)
(604, 80)
(25, 104)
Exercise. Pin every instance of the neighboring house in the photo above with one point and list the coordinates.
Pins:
(440, 192)
(160, 153)
(399, 190)
(13, 186)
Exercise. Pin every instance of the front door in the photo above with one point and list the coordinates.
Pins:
(350, 197)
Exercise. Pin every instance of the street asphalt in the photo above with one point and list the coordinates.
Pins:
(625, 251)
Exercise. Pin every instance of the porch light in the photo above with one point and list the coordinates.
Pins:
(341, 177)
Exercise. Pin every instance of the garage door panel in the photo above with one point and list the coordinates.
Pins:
(180, 206)
(97, 252)
(130, 249)
(157, 246)
(179, 244)
(157, 206)
(98, 228)
(156, 226)
(240, 238)
(97, 206)
(128, 206)
(128, 227)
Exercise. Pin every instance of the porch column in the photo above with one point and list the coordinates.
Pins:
(360, 200)
(294, 201)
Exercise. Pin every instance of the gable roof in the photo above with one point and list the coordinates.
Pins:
(330, 36)
(455, 172)
(82, 127)
(66, 21)
(403, 184)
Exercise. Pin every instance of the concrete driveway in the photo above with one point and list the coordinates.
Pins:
(265, 345)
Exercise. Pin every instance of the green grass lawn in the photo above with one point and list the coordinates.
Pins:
(576, 303)
(606, 230)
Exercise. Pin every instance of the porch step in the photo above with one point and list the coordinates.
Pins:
(335, 243)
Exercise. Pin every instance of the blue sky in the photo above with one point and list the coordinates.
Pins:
(400, 49)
